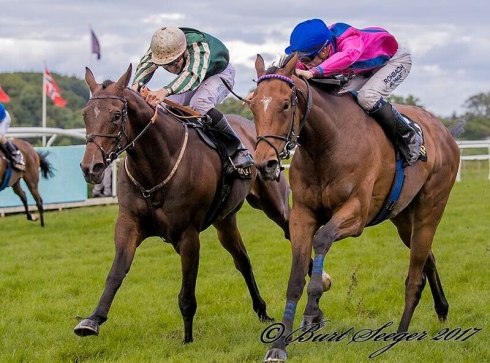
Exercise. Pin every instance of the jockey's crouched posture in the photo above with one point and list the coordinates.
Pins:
(199, 60)
(6, 145)
(379, 64)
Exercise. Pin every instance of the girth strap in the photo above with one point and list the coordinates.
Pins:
(392, 199)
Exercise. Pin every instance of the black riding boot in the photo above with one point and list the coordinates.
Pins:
(398, 131)
(240, 157)
(14, 155)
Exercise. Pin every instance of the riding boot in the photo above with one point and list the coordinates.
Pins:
(398, 131)
(14, 155)
(240, 157)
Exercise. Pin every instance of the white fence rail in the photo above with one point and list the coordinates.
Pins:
(479, 144)
(27, 132)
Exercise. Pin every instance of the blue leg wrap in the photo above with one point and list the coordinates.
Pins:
(318, 265)
(289, 311)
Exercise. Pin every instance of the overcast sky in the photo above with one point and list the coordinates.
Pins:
(449, 39)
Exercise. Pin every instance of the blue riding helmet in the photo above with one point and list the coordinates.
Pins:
(309, 37)
(3, 114)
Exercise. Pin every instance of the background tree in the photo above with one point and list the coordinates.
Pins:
(410, 100)
(235, 106)
(25, 90)
(477, 117)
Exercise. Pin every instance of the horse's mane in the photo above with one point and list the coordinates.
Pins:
(281, 63)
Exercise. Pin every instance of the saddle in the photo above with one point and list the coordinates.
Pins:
(211, 136)
(216, 140)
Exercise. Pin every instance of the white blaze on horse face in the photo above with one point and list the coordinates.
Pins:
(266, 101)
(97, 112)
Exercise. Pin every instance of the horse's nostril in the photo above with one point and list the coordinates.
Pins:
(271, 164)
(98, 168)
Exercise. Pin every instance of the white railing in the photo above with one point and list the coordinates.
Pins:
(27, 132)
(478, 144)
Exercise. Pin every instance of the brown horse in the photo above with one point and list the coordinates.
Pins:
(167, 186)
(341, 174)
(33, 162)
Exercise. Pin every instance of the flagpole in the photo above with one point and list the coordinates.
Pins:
(44, 104)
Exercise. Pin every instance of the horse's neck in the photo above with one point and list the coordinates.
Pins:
(334, 124)
(154, 153)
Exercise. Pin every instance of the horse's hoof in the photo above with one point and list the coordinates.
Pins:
(275, 355)
(263, 317)
(327, 281)
(312, 321)
(32, 217)
(87, 327)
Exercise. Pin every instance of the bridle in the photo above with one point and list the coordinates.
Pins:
(109, 157)
(291, 139)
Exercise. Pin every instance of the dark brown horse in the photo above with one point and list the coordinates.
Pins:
(33, 162)
(340, 177)
(166, 187)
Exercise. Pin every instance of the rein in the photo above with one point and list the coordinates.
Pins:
(291, 140)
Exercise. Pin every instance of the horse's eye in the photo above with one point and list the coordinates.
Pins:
(286, 106)
(116, 117)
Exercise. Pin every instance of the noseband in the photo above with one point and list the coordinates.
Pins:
(291, 139)
(109, 157)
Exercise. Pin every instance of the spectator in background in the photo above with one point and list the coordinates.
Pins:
(104, 189)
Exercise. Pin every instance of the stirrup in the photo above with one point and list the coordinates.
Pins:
(244, 171)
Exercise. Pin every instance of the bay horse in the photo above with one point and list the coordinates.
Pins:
(340, 176)
(34, 161)
(166, 187)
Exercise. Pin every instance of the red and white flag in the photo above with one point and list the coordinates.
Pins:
(3, 96)
(52, 90)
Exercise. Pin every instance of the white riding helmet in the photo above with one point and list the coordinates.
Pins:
(167, 44)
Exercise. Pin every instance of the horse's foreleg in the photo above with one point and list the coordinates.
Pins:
(188, 249)
(230, 238)
(344, 223)
(303, 225)
(127, 238)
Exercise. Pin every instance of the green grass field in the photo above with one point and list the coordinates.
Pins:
(50, 277)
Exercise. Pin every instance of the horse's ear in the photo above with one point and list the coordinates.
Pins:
(124, 80)
(291, 64)
(259, 66)
(90, 79)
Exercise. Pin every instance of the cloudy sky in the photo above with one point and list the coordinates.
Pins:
(449, 39)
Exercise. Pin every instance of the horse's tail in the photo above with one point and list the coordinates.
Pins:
(47, 169)
(458, 128)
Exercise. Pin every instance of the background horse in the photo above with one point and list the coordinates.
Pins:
(34, 161)
(340, 177)
(166, 188)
